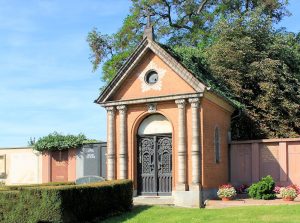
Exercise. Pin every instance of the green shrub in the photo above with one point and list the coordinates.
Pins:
(69, 203)
(264, 189)
(20, 187)
(56, 141)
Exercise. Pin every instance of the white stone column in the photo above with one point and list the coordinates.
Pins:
(196, 147)
(111, 157)
(181, 152)
(123, 141)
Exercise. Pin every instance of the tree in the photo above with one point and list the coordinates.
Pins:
(177, 22)
(260, 67)
(232, 45)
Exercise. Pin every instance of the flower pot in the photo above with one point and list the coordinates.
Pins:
(226, 198)
(288, 199)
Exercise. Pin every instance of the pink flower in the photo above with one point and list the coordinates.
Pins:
(277, 189)
(224, 186)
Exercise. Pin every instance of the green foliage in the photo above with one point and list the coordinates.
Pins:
(264, 189)
(185, 23)
(56, 141)
(233, 48)
(260, 66)
(66, 203)
(8, 202)
(193, 58)
(20, 187)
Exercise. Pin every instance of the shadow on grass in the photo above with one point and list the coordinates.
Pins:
(137, 209)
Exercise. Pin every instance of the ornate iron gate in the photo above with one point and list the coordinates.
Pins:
(155, 165)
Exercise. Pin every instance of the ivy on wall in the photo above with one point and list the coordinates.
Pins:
(56, 141)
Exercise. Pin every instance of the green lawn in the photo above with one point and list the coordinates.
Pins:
(151, 214)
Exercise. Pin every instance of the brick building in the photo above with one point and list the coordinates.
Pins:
(166, 129)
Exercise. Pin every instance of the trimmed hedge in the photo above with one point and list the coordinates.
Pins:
(66, 203)
(22, 186)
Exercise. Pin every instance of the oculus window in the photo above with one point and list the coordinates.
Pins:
(151, 77)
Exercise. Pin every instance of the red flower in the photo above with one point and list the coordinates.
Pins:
(224, 186)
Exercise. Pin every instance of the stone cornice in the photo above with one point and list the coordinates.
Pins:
(151, 99)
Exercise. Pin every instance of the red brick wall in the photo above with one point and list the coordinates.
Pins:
(214, 174)
(211, 115)
(254, 159)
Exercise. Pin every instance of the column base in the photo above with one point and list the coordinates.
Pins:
(191, 199)
(195, 187)
(181, 187)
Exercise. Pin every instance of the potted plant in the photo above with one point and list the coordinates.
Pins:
(226, 192)
(288, 193)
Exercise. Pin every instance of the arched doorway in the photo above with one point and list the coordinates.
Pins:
(154, 156)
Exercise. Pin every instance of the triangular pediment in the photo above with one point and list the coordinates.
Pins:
(129, 82)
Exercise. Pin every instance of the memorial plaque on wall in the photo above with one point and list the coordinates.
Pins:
(59, 166)
(103, 160)
(91, 162)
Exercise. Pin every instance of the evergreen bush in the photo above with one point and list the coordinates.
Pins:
(264, 189)
(65, 203)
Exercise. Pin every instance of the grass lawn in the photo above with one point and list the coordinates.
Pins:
(145, 214)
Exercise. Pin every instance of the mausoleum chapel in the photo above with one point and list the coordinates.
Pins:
(166, 129)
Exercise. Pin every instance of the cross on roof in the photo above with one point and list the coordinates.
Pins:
(149, 14)
(148, 32)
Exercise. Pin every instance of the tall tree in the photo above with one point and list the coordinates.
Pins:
(260, 67)
(177, 22)
(232, 45)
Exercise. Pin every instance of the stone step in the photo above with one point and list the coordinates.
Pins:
(153, 200)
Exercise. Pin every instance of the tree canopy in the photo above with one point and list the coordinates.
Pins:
(177, 22)
(233, 45)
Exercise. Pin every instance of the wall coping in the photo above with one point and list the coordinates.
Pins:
(266, 140)
(8, 148)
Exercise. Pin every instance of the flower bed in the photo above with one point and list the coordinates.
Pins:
(288, 193)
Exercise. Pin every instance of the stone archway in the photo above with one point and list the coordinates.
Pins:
(154, 156)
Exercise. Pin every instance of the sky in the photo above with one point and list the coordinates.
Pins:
(46, 78)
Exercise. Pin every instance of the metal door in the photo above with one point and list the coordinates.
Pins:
(155, 165)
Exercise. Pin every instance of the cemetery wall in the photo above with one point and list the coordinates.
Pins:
(20, 166)
(253, 159)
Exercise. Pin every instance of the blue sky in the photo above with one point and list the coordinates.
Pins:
(46, 83)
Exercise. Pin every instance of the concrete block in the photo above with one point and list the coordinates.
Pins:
(187, 198)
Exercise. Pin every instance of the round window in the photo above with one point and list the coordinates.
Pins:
(151, 77)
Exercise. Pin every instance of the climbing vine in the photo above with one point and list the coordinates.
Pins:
(56, 141)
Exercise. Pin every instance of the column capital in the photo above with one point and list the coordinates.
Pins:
(110, 109)
(180, 103)
(122, 108)
(195, 102)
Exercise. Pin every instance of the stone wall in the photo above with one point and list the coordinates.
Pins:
(252, 160)
(20, 166)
